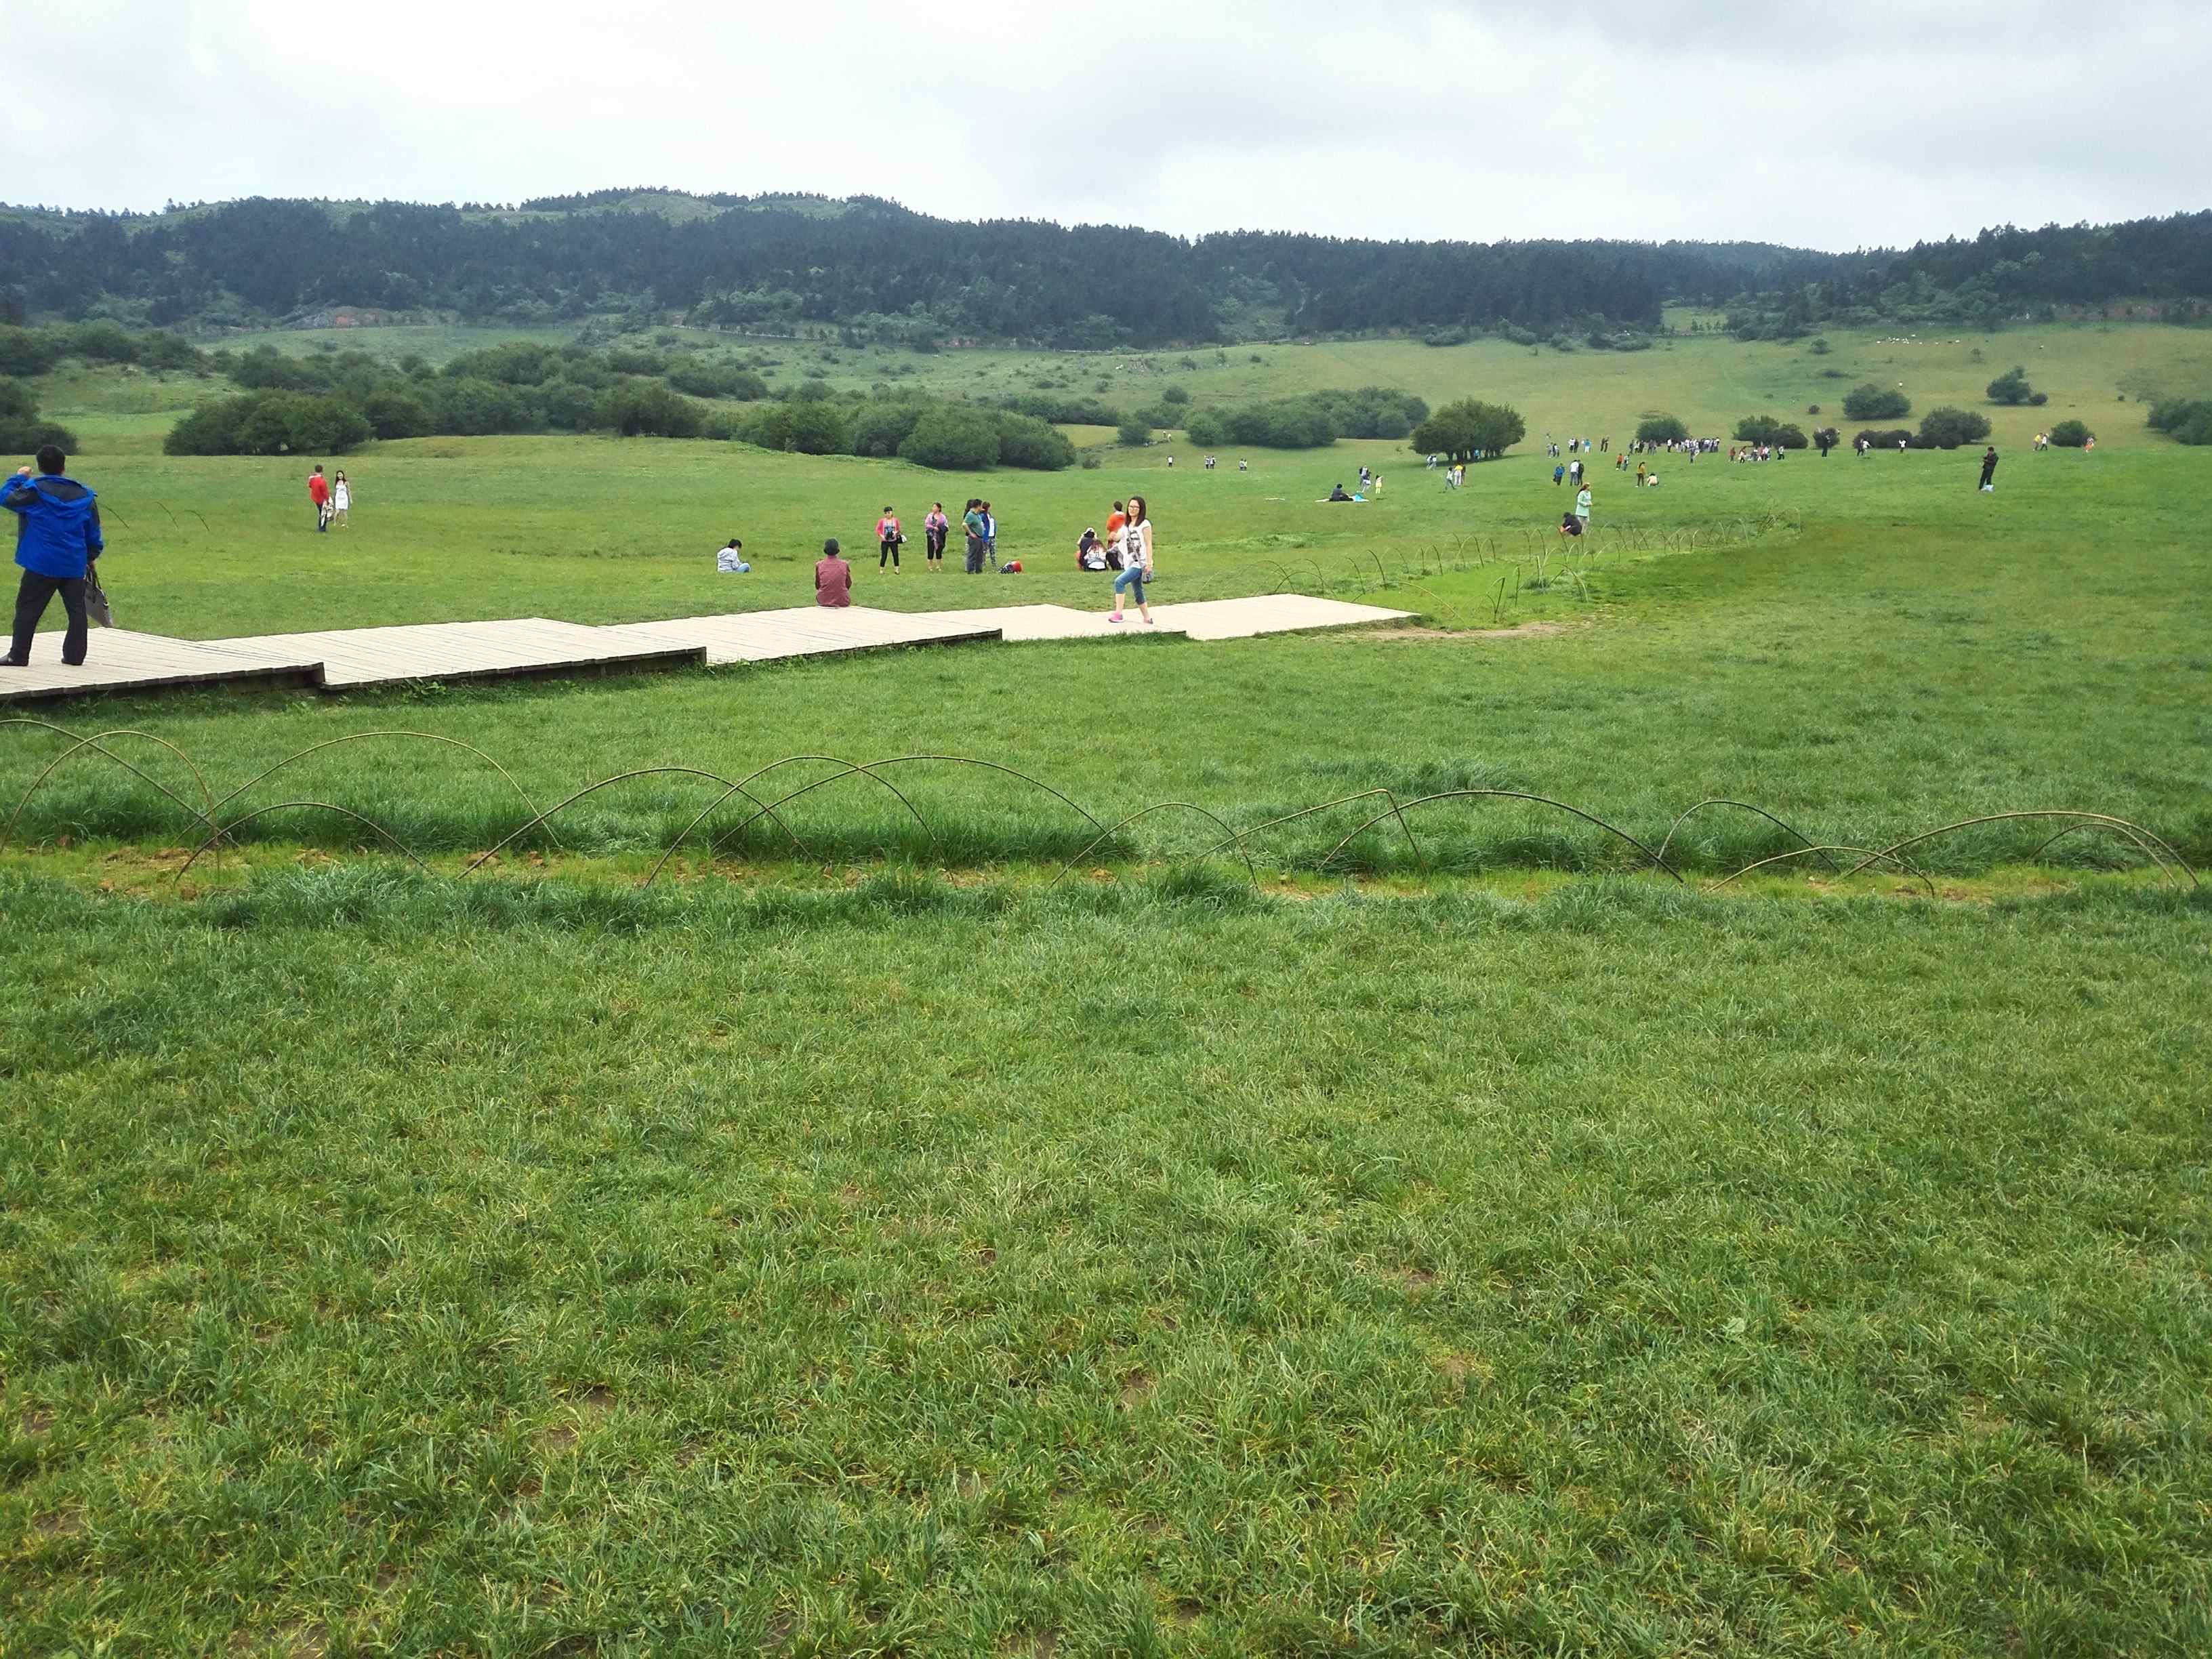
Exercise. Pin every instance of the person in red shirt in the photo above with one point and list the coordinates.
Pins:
(833, 577)
(319, 492)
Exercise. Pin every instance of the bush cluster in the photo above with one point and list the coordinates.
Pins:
(2185, 420)
(1767, 429)
(1306, 423)
(1660, 430)
(1946, 428)
(21, 431)
(2012, 388)
(1876, 403)
(2070, 435)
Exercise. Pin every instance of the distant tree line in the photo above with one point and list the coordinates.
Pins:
(873, 269)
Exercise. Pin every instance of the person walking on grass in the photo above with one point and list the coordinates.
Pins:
(340, 500)
(833, 577)
(972, 522)
(888, 537)
(1582, 506)
(57, 540)
(319, 492)
(934, 529)
(1136, 561)
(1990, 469)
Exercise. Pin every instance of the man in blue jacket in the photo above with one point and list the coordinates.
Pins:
(56, 538)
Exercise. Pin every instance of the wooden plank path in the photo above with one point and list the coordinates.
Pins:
(352, 658)
(121, 659)
(815, 630)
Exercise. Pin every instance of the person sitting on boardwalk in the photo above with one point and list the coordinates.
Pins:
(833, 577)
(57, 540)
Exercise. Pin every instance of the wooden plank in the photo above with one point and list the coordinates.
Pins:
(122, 661)
(354, 658)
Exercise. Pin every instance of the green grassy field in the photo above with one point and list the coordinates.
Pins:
(877, 1248)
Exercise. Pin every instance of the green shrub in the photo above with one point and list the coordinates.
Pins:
(1206, 429)
(1064, 411)
(270, 423)
(21, 430)
(473, 408)
(1946, 428)
(878, 430)
(517, 362)
(639, 408)
(27, 350)
(1024, 441)
(718, 380)
(103, 342)
(1133, 434)
(2070, 435)
(2011, 387)
(816, 427)
(2187, 421)
(1175, 394)
(1776, 434)
(391, 413)
(1459, 429)
(1660, 430)
(1876, 403)
(952, 438)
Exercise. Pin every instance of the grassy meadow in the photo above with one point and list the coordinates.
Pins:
(1460, 1238)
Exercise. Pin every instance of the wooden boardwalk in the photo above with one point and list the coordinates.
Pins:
(354, 658)
(123, 660)
(815, 630)
(351, 658)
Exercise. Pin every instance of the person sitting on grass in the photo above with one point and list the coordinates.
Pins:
(833, 577)
(1338, 495)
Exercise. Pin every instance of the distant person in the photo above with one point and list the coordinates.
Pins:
(934, 529)
(57, 541)
(1641, 473)
(1136, 561)
(1575, 474)
(1090, 551)
(1989, 468)
(833, 577)
(972, 522)
(1582, 506)
(1243, 466)
(990, 536)
(1559, 476)
(1570, 525)
(1336, 494)
(340, 500)
(1375, 487)
(888, 537)
(319, 492)
(730, 560)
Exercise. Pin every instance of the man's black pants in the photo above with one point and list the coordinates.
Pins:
(31, 601)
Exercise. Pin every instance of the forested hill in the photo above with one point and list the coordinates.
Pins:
(775, 264)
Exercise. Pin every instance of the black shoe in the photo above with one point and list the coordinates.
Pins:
(15, 662)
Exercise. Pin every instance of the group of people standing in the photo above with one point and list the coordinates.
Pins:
(1125, 549)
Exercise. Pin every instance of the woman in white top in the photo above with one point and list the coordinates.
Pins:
(341, 499)
(1136, 561)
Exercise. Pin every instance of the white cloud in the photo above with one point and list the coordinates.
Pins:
(1831, 126)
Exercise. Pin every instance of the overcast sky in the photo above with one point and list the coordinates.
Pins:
(1838, 125)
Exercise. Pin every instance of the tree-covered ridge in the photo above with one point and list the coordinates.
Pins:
(778, 263)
